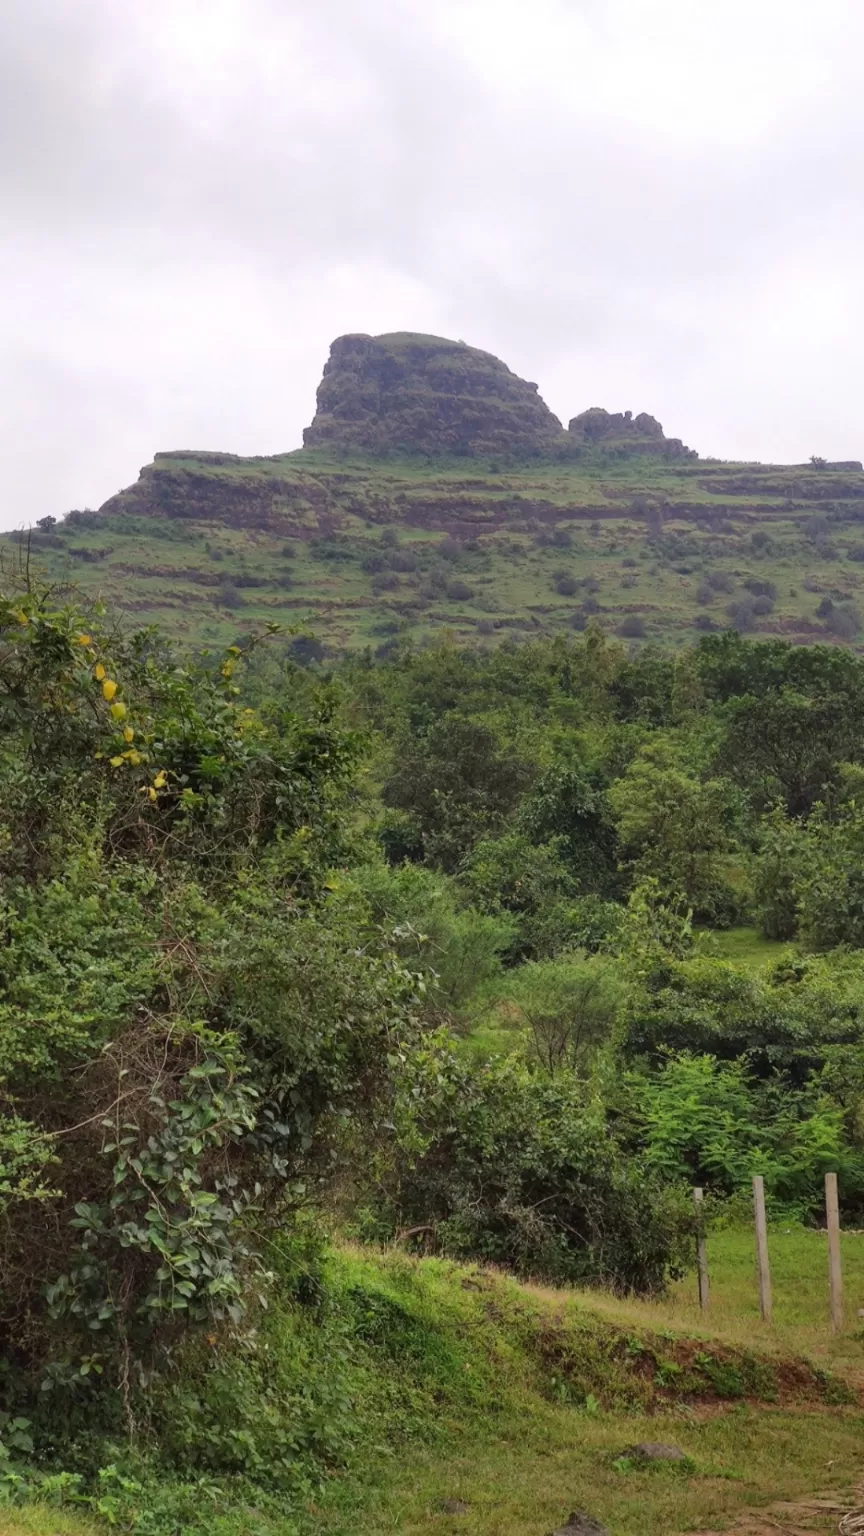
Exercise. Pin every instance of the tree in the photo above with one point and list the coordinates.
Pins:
(569, 1005)
(529, 881)
(457, 782)
(791, 744)
(567, 805)
(674, 827)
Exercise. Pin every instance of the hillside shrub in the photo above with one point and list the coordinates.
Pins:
(507, 1165)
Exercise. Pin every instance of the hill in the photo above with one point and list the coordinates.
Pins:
(436, 490)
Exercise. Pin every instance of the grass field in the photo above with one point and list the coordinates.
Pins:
(545, 1426)
(745, 946)
(743, 1457)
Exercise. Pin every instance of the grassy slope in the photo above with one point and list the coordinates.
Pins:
(519, 1400)
(166, 549)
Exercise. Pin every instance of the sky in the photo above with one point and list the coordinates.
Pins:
(652, 205)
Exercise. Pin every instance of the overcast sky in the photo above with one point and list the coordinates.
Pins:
(645, 204)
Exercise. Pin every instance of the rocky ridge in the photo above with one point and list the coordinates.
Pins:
(407, 393)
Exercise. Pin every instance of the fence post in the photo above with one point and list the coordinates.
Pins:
(835, 1273)
(701, 1254)
(762, 1247)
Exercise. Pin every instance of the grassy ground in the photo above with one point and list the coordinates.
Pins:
(743, 1458)
(799, 1274)
(746, 946)
(527, 1481)
(39, 1520)
(521, 1401)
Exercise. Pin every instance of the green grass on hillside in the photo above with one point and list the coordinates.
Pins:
(211, 546)
(449, 1382)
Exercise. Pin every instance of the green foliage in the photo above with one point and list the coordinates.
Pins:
(422, 913)
(186, 1022)
(520, 1168)
(510, 874)
(830, 878)
(782, 1020)
(674, 826)
(457, 783)
(707, 1122)
(569, 1006)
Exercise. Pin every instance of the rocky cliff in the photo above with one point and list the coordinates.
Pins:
(406, 393)
(621, 429)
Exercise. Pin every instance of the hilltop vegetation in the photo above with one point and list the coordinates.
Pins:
(438, 492)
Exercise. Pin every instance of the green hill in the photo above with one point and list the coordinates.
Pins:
(436, 490)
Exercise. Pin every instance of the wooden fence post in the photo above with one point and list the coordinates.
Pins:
(701, 1254)
(762, 1247)
(835, 1272)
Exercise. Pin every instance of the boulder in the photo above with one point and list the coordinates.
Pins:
(580, 1524)
(650, 1450)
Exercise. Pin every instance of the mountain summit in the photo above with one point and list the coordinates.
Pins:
(407, 393)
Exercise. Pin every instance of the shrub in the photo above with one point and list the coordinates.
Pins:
(742, 614)
(459, 591)
(759, 588)
(175, 965)
(566, 584)
(228, 595)
(632, 627)
(508, 1166)
(569, 1006)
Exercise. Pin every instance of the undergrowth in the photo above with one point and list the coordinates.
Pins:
(301, 1413)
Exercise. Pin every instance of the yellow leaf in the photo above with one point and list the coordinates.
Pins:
(128, 733)
(160, 780)
(151, 792)
(133, 757)
(21, 616)
(227, 669)
(99, 672)
(85, 640)
(118, 710)
(116, 762)
(109, 688)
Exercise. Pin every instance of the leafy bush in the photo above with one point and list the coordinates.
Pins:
(423, 916)
(507, 1165)
(173, 961)
(705, 1122)
(569, 1006)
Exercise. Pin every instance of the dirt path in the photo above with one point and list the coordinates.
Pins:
(803, 1517)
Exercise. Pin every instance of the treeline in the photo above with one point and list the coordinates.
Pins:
(423, 948)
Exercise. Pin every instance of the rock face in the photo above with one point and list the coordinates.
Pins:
(635, 434)
(406, 393)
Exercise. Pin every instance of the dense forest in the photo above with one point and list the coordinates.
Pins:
(490, 954)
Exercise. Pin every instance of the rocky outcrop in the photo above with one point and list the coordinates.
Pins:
(621, 429)
(412, 394)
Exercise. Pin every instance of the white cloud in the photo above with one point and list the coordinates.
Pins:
(640, 203)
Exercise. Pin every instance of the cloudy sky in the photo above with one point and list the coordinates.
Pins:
(645, 204)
